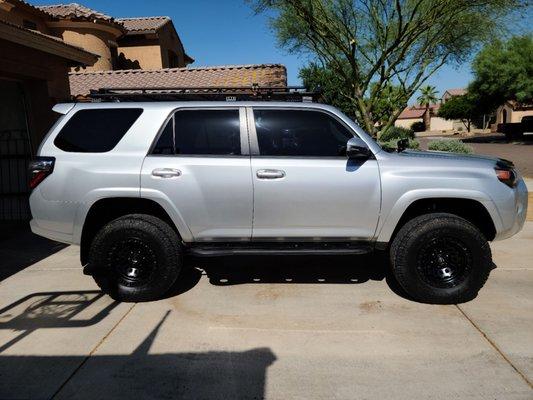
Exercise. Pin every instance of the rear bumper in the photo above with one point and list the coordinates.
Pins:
(50, 234)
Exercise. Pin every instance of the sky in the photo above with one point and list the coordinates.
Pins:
(222, 32)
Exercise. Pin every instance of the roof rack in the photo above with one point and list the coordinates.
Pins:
(243, 93)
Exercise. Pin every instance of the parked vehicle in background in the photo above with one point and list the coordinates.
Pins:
(140, 184)
(518, 130)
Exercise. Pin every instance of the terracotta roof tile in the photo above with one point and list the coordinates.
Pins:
(410, 112)
(218, 76)
(74, 10)
(456, 92)
(143, 24)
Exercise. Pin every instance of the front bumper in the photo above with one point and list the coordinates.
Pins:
(513, 219)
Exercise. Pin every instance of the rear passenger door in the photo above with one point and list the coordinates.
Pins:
(305, 188)
(200, 163)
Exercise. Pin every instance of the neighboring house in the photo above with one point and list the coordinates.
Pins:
(512, 112)
(416, 113)
(39, 46)
(150, 43)
(449, 93)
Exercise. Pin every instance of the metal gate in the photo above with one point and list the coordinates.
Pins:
(15, 153)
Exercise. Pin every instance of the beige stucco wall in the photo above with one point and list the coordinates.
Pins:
(517, 116)
(406, 123)
(147, 57)
(169, 42)
(440, 124)
(95, 41)
(151, 51)
(512, 115)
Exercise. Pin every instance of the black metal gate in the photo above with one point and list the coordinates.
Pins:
(15, 153)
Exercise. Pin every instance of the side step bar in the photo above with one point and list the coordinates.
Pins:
(282, 249)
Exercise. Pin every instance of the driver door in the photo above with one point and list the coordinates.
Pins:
(304, 186)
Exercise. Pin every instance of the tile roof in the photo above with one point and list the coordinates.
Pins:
(78, 51)
(456, 92)
(34, 9)
(418, 111)
(143, 24)
(409, 113)
(218, 76)
(74, 10)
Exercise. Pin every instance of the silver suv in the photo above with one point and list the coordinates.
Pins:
(140, 184)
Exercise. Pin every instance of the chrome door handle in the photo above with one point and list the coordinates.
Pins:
(166, 172)
(270, 174)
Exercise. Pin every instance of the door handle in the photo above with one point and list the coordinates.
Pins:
(270, 174)
(166, 172)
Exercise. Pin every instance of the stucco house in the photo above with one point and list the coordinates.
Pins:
(512, 112)
(50, 54)
(416, 113)
(449, 93)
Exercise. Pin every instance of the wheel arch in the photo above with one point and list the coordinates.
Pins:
(105, 210)
(474, 207)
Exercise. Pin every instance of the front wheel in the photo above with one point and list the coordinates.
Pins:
(440, 258)
(135, 258)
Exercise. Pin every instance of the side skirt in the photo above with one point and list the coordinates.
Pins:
(279, 248)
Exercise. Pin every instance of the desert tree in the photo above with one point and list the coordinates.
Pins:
(370, 46)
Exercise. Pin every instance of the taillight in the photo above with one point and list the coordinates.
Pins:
(39, 168)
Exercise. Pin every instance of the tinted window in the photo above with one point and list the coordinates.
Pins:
(300, 133)
(96, 131)
(201, 132)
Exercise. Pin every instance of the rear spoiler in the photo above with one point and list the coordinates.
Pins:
(63, 108)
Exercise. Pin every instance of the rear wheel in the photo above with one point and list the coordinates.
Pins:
(441, 258)
(135, 258)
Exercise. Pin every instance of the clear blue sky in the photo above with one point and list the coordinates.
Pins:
(217, 32)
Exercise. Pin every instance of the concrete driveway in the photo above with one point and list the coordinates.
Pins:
(276, 328)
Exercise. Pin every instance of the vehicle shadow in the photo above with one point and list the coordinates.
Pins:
(53, 310)
(20, 248)
(139, 374)
(236, 270)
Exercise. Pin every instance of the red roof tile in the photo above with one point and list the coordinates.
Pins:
(219, 76)
(143, 24)
(76, 11)
(409, 113)
(456, 92)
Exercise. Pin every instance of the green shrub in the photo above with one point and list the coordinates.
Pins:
(396, 132)
(418, 126)
(413, 144)
(451, 145)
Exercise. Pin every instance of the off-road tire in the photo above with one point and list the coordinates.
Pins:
(411, 242)
(157, 238)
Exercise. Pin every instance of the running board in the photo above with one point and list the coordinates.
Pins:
(281, 249)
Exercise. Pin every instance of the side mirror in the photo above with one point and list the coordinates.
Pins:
(356, 149)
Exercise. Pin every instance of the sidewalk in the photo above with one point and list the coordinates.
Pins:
(275, 328)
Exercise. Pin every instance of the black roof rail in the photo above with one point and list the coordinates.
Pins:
(243, 93)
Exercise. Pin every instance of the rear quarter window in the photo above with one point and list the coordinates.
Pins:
(96, 131)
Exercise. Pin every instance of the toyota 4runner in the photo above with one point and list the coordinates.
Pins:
(139, 184)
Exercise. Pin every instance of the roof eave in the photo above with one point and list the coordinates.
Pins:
(40, 42)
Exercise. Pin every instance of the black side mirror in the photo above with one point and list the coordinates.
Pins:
(356, 149)
(402, 144)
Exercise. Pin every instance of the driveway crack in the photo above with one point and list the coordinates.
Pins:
(92, 352)
(495, 346)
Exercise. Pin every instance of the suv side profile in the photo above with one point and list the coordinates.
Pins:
(139, 184)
